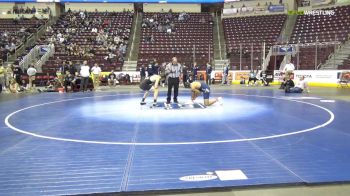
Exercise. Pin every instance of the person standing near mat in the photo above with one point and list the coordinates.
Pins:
(173, 70)
(225, 74)
(208, 74)
(148, 84)
(200, 87)
(31, 71)
(85, 74)
(288, 69)
(96, 72)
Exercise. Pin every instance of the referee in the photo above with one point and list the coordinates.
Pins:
(173, 70)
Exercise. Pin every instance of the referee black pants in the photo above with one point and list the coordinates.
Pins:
(173, 82)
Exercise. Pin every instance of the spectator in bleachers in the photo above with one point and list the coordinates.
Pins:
(15, 9)
(33, 10)
(94, 30)
(109, 42)
(111, 57)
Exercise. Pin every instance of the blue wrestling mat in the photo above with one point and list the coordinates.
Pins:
(84, 143)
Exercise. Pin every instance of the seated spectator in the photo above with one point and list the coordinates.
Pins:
(24, 86)
(68, 81)
(301, 86)
(287, 83)
(14, 87)
(94, 30)
(252, 77)
(242, 81)
(112, 79)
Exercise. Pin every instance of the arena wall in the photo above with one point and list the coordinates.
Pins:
(158, 7)
(101, 7)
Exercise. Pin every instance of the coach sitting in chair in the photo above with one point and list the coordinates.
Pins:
(112, 79)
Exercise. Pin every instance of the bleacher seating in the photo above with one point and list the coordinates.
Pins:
(10, 32)
(120, 23)
(248, 32)
(345, 65)
(320, 28)
(196, 31)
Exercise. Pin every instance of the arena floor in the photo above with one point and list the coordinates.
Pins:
(105, 142)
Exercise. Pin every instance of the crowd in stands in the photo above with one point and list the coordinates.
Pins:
(164, 22)
(84, 35)
(166, 34)
(14, 32)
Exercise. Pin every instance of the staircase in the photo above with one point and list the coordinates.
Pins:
(133, 49)
(288, 28)
(129, 66)
(31, 40)
(219, 39)
(286, 34)
(338, 57)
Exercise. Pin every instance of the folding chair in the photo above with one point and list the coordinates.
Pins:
(344, 79)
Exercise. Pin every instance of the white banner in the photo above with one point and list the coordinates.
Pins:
(318, 76)
(314, 76)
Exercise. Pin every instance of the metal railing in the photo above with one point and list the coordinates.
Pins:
(267, 59)
(50, 52)
(29, 58)
(30, 41)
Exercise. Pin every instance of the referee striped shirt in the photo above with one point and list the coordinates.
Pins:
(173, 70)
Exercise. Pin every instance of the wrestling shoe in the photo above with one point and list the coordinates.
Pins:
(219, 100)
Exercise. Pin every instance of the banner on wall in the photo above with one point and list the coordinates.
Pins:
(276, 8)
(317, 76)
(312, 76)
(230, 11)
(239, 74)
